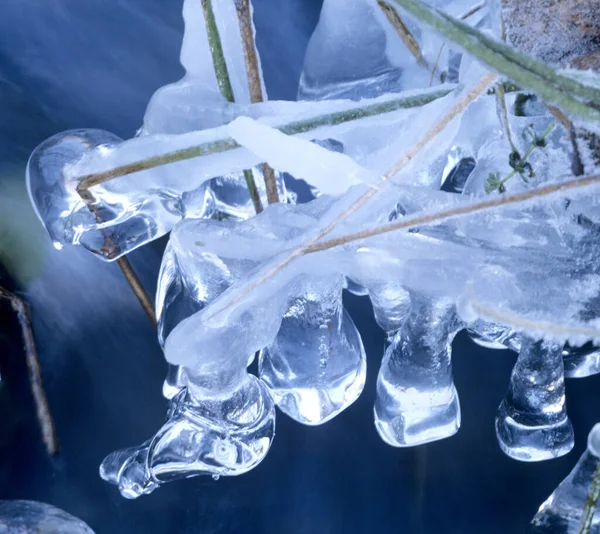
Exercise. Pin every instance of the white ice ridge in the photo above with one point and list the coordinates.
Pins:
(533, 278)
(332, 173)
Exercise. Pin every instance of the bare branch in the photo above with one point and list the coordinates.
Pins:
(44, 415)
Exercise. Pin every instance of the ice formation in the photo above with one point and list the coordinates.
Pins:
(532, 422)
(416, 399)
(571, 507)
(403, 173)
(25, 517)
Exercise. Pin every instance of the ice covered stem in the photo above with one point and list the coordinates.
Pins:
(206, 433)
(244, 12)
(416, 399)
(532, 422)
(222, 75)
(572, 507)
(315, 367)
(581, 361)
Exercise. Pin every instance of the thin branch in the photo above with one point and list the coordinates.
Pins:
(44, 415)
(216, 50)
(254, 83)
(456, 110)
(504, 116)
(467, 209)
(435, 65)
(524, 70)
(138, 289)
(472, 11)
(111, 250)
(292, 128)
(402, 30)
(224, 82)
(312, 246)
(250, 55)
(591, 504)
(254, 194)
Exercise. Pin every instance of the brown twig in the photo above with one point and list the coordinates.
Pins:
(138, 288)
(411, 222)
(44, 415)
(402, 30)
(254, 83)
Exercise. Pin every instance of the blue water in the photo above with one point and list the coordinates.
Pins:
(71, 63)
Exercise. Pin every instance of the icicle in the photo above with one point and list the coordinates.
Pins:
(416, 399)
(532, 422)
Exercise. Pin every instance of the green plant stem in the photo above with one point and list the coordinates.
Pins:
(533, 146)
(216, 50)
(224, 82)
(523, 70)
(292, 128)
(591, 504)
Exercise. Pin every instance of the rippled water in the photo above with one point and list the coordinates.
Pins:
(68, 64)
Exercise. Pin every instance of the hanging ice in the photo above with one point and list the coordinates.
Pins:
(55, 199)
(532, 422)
(209, 434)
(572, 507)
(581, 361)
(25, 517)
(316, 366)
(416, 399)
(221, 420)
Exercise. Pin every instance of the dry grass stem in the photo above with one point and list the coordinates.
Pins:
(44, 415)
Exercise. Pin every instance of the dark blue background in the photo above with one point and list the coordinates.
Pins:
(95, 63)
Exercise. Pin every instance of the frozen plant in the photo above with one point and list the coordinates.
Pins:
(442, 190)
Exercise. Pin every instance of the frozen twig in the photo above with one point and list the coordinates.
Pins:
(561, 91)
(499, 90)
(110, 249)
(35, 377)
(467, 209)
(464, 16)
(591, 504)
(402, 30)
(216, 50)
(224, 82)
(292, 128)
(254, 84)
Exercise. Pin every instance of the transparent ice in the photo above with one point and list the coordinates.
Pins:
(315, 367)
(221, 420)
(581, 361)
(234, 287)
(27, 517)
(563, 511)
(416, 399)
(532, 422)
